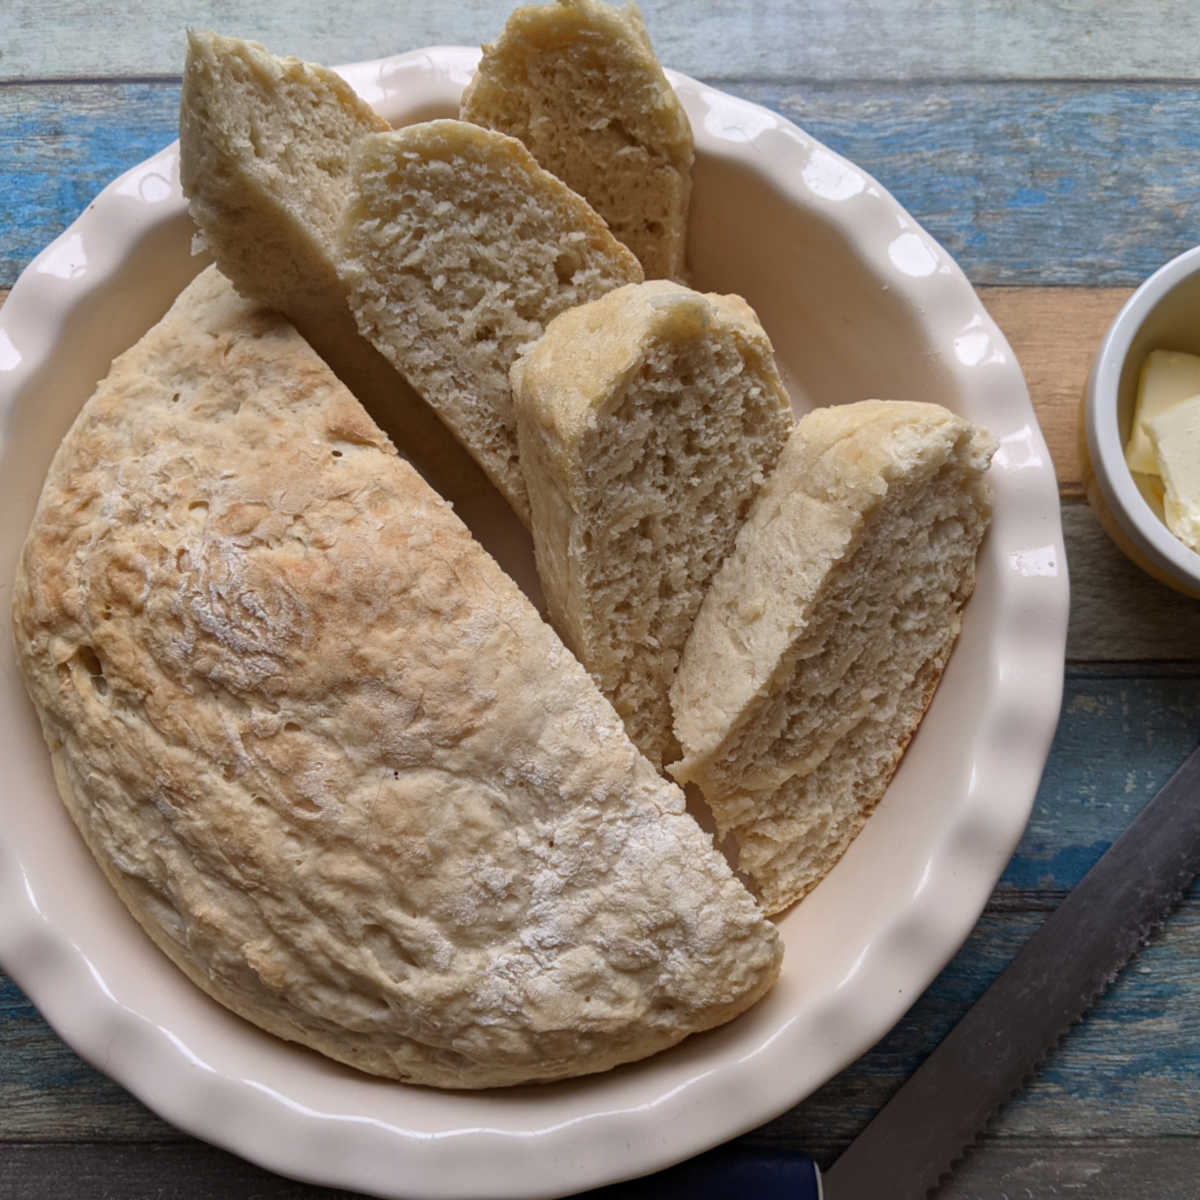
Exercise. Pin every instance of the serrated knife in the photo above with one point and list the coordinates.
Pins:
(1079, 950)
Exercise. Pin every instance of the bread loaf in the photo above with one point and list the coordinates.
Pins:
(647, 420)
(579, 84)
(327, 753)
(825, 632)
(457, 250)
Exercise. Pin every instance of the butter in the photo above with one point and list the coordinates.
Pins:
(1175, 439)
(1168, 378)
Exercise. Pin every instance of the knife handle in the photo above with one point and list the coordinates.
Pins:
(764, 1174)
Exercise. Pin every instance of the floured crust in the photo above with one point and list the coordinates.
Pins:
(326, 751)
(578, 82)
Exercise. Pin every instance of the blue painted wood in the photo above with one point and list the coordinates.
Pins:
(1119, 739)
(1023, 183)
(770, 39)
(61, 144)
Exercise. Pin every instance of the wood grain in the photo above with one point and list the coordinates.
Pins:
(771, 39)
(1029, 183)
(981, 166)
(1055, 333)
(1088, 1168)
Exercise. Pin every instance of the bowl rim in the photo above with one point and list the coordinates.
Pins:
(1011, 739)
(1105, 445)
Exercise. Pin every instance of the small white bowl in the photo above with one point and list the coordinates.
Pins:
(1163, 314)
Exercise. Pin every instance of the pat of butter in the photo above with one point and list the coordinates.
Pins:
(1168, 378)
(1175, 435)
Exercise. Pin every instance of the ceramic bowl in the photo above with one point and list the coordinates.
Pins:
(1163, 314)
(860, 302)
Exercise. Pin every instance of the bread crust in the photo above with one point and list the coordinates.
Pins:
(579, 84)
(329, 755)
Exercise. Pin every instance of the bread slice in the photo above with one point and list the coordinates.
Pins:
(820, 644)
(328, 754)
(457, 250)
(265, 164)
(648, 419)
(264, 149)
(579, 84)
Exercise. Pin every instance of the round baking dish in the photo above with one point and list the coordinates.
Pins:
(859, 302)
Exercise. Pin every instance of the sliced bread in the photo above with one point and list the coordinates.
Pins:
(648, 420)
(264, 148)
(327, 753)
(823, 637)
(579, 84)
(265, 165)
(457, 249)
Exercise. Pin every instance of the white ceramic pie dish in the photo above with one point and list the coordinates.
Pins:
(859, 302)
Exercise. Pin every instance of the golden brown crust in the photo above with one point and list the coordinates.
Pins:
(329, 755)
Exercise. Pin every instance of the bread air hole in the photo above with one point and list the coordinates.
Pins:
(565, 266)
(88, 662)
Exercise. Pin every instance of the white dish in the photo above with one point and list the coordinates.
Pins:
(859, 301)
(1163, 314)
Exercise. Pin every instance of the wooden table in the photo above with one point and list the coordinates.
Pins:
(1053, 150)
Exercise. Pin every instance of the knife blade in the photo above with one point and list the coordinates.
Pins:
(1054, 979)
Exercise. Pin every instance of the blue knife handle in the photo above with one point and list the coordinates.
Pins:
(725, 1174)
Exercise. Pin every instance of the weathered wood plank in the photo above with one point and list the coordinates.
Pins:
(1098, 1169)
(60, 146)
(108, 1171)
(1087, 1169)
(1024, 183)
(1118, 613)
(1055, 333)
(1119, 739)
(773, 39)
